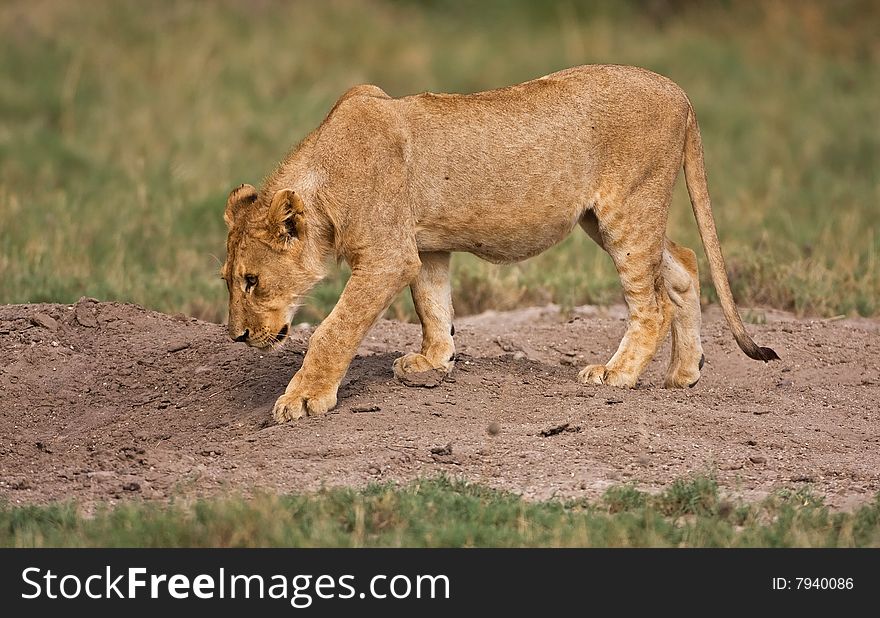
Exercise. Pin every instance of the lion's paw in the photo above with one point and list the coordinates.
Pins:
(417, 363)
(600, 374)
(680, 376)
(293, 405)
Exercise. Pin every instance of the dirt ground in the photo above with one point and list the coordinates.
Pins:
(110, 402)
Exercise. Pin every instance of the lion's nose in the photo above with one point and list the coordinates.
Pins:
(243, 337)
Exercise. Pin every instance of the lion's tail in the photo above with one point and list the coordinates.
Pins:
(695, 175)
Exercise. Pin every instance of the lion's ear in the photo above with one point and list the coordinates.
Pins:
(287, 215)
(238, 197)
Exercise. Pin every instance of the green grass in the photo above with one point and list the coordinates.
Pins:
(123, 125)
(443, 513)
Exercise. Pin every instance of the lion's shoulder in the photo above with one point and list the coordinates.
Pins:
(356, 95)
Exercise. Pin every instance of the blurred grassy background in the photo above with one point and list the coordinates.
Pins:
(124, 124)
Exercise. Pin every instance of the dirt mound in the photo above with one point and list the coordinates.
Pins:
(107, 401)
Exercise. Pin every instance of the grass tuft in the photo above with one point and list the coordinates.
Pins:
(445, 513)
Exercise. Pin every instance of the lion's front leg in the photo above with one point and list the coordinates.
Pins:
(369, 291)
(432, 297)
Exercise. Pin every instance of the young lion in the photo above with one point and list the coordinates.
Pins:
(393, 186)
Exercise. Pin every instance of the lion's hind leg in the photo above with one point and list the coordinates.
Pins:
(683, 286)
(432, 297)
(633, 237)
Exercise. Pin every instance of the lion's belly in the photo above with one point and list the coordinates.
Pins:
(499, 233)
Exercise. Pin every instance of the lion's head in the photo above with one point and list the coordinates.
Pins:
(268, 267)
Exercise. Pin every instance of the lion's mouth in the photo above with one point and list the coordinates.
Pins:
(271, 341)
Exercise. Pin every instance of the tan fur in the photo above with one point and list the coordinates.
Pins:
(393, 186)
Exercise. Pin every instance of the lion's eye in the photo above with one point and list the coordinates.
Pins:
(250, 282)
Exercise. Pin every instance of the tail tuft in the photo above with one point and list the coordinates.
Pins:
(756, 352)
(768, 354)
